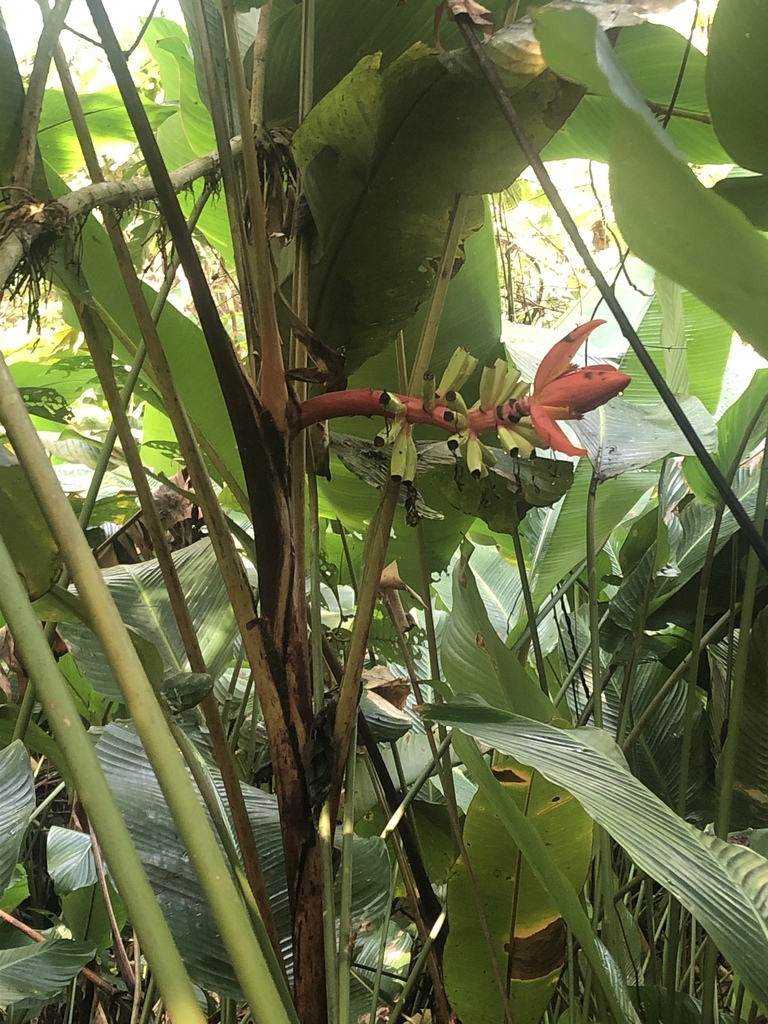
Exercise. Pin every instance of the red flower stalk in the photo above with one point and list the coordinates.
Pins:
(560, 392)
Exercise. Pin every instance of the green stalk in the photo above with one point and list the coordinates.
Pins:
(729, 753)
(375, 550)
(697, 645)
(577, 665)
(318, 682)
(426, 597)
(728, 756)
(248, 960)
(418, 967)
(274, 386)
(549, 604)
(594, 624)
(91, 785)
(307, 68)
(325, 836)
(413, 792)
(529, 609)
(713, 633)
(439, 292)
(346, 936)
(383, 944)
(402, 362)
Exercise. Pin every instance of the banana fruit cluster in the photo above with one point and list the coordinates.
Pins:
(499, 383)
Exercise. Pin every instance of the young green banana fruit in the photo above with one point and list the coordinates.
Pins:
(403, 464)
(458, 406)
(428, 391)
(457, 372)
(390, 432)
(497, 383)
(514, 440)
(474, 453)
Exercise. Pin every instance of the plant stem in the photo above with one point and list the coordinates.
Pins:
(346, 934)
(529, 609)
(439, 292)
(259, 71)
(93, 790)
(594, 609)
(247, 958)
(100, 346)
(417, 968)
(376, 542)
(325, 838)
(383, 944)
(24, 165)
(274, 389)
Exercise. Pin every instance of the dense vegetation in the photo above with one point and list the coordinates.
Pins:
(386, 671)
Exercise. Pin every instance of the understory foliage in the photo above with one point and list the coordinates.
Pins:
(328, 692)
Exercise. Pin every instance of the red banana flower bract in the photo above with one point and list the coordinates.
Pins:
(563, 392)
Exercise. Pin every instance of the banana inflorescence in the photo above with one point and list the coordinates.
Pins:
(499, 384)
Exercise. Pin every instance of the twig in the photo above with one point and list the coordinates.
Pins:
(24, 164)
(92, 976)
(121, 957)
(117, 194)
(142, 30)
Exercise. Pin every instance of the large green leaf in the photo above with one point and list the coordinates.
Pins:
(38, 970)
(107, 120)
(724, 886)
(749, 194)
(140, 799)
(737, 80)
(71, 865)
(142, 599)
(497, 578)
(666, 215)
(18, 788)
(525, 925)
(17, 891)
(706, 340)
(475, 660)
(690, 531)
(35, 739)
(34, 551)
(651, 56)
(49, 387)
(623, 436)
(345, 30)
(740, 429)
(383, 157)
(11, 105)
(69, 857)
(557, 536)
(471, 318)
